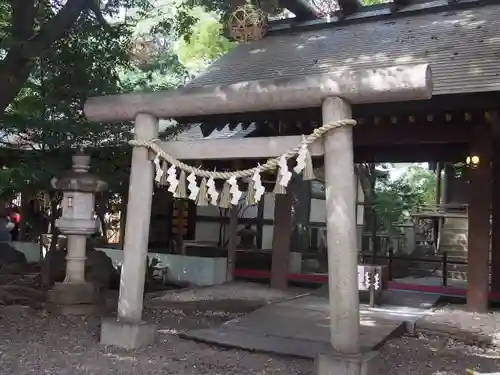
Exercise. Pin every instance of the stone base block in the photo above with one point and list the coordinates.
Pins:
(127, 335)
(364, 297)
(81, 309)
(348, 364)
(73, 293)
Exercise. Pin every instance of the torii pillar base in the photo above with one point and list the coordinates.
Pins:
(127, 335)
(348, 364)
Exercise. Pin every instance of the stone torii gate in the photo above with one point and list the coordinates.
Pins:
(334, 93)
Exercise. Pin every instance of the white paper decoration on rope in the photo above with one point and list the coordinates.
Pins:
(213, 194)
(259, 189)
(159, 170)
(172, 179)
(284, 173)
(235, 191)
(193, 187)
(301, 159)
(207, 193)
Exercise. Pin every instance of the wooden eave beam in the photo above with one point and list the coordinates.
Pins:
(412, 154)
(364, 135)
(371, 134)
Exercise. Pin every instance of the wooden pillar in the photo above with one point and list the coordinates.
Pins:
(449, 175)
(300, 190)
(231, 245)
(439, 170)
(436, 222)
(260, 222)
(282, 235)
(479, 223)
(495, 206)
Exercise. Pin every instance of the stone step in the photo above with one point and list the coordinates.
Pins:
(457, 255)
(454, 275)
(453, 251)
(449, 229)
(453, 239)
(420, 272)
(451, 275)
(455, 222)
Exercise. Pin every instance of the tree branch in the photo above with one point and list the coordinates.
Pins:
(55, 28)
(23, 19)
(15, 68)
(94, 7)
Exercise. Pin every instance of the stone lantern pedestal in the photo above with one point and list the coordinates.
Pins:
(75, 295)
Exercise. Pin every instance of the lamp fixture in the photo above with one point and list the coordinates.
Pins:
(472, 161)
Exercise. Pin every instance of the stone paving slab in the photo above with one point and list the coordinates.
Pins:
(300, 327)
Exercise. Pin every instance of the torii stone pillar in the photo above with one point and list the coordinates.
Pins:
(355, 87)
(340, 184)
(128, 330)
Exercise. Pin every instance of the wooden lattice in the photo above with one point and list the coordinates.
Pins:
(248, 23)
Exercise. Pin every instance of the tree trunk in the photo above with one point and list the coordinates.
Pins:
(367, 178)
(123, 222)
(101, 209)
(16, 67)
(54, 232)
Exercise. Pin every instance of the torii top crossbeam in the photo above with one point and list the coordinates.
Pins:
(392, 84)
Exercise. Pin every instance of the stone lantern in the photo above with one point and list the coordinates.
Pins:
(77, 222)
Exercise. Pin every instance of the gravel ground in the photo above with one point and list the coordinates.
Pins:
(231, 291)
(482, 329)
(436, 355)
(34, 342)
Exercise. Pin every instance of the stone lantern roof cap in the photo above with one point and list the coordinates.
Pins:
(78, 178)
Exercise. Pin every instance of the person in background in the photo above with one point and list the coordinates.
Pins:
(6, 226)
(15, 218)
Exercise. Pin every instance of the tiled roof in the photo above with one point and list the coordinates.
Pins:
(195, 132)
(462, 46)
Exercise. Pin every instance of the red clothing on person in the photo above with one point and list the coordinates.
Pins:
(15, 217)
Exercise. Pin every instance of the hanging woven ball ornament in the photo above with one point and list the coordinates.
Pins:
(247, 23)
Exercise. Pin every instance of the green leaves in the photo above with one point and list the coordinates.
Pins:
(205, 43)
(396, 198)
(46, 118)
